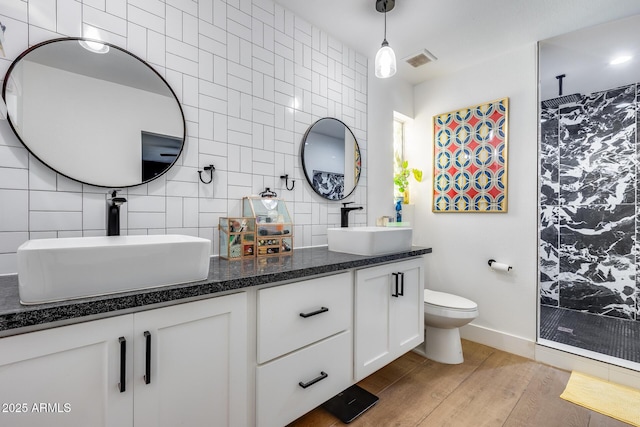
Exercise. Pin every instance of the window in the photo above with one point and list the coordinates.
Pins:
(398, 147)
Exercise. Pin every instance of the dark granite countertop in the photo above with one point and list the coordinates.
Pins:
(224, 276)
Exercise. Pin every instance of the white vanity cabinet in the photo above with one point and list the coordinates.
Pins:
(304, 346)
(389, 314)
(294, 345)
(67, 376)
(197, 366)
(71, 375)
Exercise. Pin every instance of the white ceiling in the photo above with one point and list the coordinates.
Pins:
(584, 56)
(458, 32)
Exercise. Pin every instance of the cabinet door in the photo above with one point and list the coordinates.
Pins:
(407, 310)
(386, 325)
(372, 324)
(197, 364)
(67, 376)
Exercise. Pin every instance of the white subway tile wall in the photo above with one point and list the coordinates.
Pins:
(251, 78)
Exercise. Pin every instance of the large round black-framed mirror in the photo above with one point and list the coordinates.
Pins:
(94, 112)
(331, 158)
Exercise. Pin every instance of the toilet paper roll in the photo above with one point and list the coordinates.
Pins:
(499, 266)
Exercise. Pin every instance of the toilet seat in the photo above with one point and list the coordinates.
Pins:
(449, 301)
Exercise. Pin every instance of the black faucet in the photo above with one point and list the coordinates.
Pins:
(113, 214)
(344, 213)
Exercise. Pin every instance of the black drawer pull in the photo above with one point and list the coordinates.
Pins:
(401, 293)
(313, 313)
(147, 358)
(123, 364)
(322, 376)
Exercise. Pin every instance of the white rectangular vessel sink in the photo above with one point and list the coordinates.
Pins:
(60, 269)
(369, 240)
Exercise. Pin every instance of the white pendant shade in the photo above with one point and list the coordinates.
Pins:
(385, 62)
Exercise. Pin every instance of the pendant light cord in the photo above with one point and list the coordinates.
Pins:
(385, 21)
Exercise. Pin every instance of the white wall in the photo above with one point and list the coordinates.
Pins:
(463, 242)
(325, 154)
(250, 76)
(385, 97)
(76, 128)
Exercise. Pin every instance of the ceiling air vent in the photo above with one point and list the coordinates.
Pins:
(418, 59)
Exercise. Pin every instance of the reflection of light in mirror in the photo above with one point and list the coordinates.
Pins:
(93, 45)
(13, 90)
(620, 60)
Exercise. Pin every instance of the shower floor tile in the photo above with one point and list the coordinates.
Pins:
(603, 334)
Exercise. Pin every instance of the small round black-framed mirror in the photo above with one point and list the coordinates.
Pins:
(94, 112)
(331, 158)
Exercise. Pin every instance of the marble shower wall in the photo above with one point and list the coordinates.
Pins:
(589, 204)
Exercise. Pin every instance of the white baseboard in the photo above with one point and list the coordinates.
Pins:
(500, 340)
(558, 355)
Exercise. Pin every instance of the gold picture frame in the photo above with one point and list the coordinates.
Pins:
(470, 147)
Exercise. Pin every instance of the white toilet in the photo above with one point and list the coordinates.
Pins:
(443, 315)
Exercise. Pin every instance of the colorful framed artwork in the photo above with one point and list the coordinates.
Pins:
(470, 159)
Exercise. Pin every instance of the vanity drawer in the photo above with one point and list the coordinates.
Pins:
(281, 399)
(298, 314)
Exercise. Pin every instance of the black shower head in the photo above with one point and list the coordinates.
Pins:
(561, 100)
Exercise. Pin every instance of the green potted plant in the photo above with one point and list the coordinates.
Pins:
(401, 178)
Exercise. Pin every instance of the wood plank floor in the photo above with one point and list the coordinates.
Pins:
(491, 388)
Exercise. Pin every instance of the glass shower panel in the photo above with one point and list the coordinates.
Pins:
(588, 192)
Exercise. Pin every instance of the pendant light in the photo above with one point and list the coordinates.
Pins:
(385, 58)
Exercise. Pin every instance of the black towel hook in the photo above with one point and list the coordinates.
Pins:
(209, 168)
(286, 182)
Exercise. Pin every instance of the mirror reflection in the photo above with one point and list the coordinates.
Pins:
(331, 159)
(94, 112)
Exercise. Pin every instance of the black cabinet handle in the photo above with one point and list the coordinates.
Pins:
(313, 313)
(123, 364)
(395, 294)
(147, 358)
(322, 376)
(401, 293)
